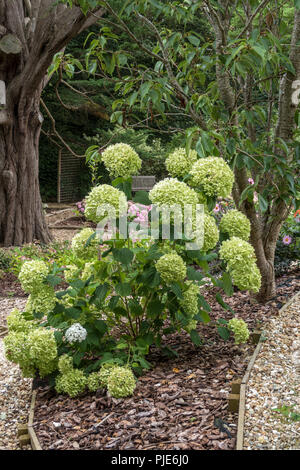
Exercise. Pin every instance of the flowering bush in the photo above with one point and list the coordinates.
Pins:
(125, 295)
(235, 224)
(179, 163)
(121, 160)
(213, 176)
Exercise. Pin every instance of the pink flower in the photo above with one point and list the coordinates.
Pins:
(250, 180)
(217, 208)
(287, 240)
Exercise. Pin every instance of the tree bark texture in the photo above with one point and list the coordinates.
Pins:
(42, 29)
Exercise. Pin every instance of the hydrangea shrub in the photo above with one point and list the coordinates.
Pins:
(122, 293)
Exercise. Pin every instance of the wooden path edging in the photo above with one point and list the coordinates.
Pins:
(242, 400)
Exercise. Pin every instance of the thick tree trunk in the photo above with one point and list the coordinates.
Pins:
(33, 31)
(21, 213)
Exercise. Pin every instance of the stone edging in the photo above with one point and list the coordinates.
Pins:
(242, 398)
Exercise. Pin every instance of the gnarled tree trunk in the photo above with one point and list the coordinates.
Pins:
(31, 33)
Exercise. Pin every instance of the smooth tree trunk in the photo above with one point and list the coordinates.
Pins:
(31, 33)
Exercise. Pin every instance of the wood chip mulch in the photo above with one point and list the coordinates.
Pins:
(178, 405)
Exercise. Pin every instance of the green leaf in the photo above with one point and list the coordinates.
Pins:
(194, 275)
(222, 303)
(202, 316)
(202, 302)
(176, 289)
(223, 332)
(155, 307)
(100, 292)
(123, 289)
(73, 312)
(263, 204)
(195, 338)
(227, 284)
(124, 255)
(100, 326)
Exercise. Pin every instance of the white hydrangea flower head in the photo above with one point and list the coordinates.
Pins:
(33, 275)
(213, 176)
(170, 191)
(121, 160)
(236, 224)
(76, 333)
(178, 163)
(104, 195)
(79, 241)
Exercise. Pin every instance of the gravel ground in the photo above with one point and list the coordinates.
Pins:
(14, 390)
(274, 383)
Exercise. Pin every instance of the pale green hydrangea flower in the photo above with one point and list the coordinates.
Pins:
(105, 371)
(79, 241)
(213, 176)
(241, 264)
(121, 160)
(71, 272)
(33, 275)
(246, 278)
(236, 224)
(192, 325)
(65, 364)
(94, 382)
(237, 252)
(72, 383)
(36, 350)
(170, 191)
(16, 347)
(88, 271)
(43, 350)
(171, 267)
(211, 233)
(104, 195)
(189, 303)
(178, 163)
(121, 382)
(239, 329)
(17, 322)
(42, 301)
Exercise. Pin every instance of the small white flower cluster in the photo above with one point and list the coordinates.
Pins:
(76, 333)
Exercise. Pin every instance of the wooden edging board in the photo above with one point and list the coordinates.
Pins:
(35, 444)
(242, 402)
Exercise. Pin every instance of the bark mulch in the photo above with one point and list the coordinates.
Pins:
(180, 404)
(10, 286)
